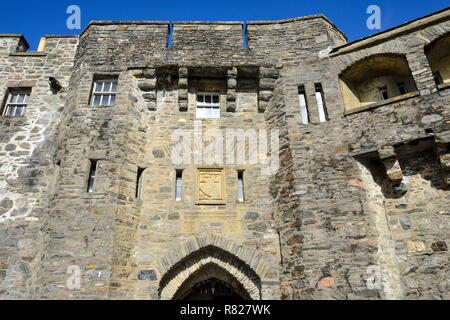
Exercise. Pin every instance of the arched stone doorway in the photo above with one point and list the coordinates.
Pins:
(211, 282)
(210, 273)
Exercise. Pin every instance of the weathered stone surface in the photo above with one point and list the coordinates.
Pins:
(354, 194)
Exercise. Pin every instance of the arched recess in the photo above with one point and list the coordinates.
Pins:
(438, 55)
(207, 263)
(374, 79)
(216, 280)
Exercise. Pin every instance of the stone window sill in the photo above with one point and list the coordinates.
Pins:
(13, 118)
(93, 195)
(99, 107)
(383, 103)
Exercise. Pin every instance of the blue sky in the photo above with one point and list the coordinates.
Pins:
(36, 18)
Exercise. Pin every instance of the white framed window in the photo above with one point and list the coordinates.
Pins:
(16, 103)
(208, 105)
(104, 93)
(303, 105)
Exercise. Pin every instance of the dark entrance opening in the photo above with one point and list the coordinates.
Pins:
(210, 273)
(213, 290)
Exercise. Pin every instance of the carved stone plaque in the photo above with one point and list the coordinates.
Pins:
(210, 188)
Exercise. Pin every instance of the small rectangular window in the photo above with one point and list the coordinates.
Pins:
(323, 114)
(383, 93)
(92, 173)
(179, 185)
(139, 183)
(402, 88)
(208, 105)
(16, 102)
(437, 78)
(303, 105)
(104, 93)
(241, 197)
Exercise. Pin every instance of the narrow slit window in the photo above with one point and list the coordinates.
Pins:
(303, 105)
(139, 183)
(179, 185)
(323, 114)
(92, 173)
(384, 93)
(401, 88)
(16, 103)
(104, 93)
(241, 197)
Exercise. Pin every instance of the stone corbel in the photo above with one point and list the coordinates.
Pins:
(444, 159)
(231, 92)
(148, 86)
(267, 79)
(183, 89)
(389, 159)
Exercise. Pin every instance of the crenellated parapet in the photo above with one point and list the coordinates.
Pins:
(207, 35)
(122, 42)
(11, 43)
(282, 35)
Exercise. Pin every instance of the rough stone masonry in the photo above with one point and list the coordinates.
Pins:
(358, 208)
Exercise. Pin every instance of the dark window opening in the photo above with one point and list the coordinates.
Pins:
(92, 173)
(139, 183)
(384, 93)
(401, 88)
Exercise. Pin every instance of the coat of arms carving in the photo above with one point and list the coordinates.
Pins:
(210, 187)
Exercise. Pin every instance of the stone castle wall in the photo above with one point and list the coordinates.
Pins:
(366, 188)
(28, 168)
